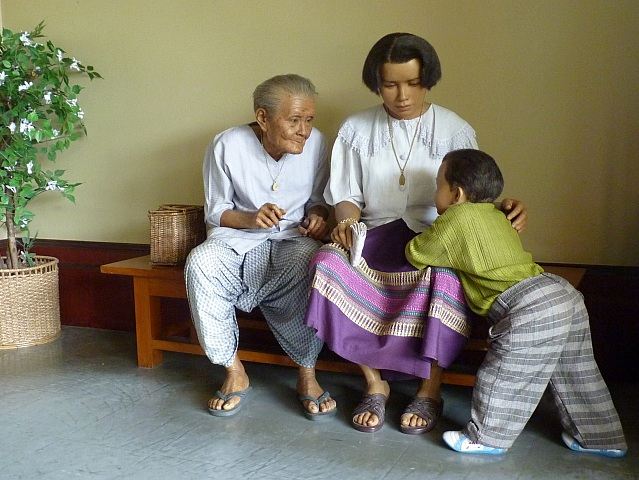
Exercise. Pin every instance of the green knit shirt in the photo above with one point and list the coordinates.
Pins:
(478, 242)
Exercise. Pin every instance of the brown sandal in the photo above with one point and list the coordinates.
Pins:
(374, 403)
(426, 408)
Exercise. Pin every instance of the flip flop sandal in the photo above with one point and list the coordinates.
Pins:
(426, 408)
(316, 401)
(374, 403)
(226, 397)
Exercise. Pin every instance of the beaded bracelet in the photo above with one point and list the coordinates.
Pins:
(349, 219)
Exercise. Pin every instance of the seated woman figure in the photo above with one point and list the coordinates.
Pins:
(393, 321)
(260, 181)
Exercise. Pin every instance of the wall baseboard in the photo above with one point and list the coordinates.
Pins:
(89, 298)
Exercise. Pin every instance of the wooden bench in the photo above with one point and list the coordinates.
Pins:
(153, 283)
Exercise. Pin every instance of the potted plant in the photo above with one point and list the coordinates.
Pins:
(39, 117)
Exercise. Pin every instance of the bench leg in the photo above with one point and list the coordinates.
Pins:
(147, 323)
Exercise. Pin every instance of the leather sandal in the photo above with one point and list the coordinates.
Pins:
(426, 408)
(373, 403)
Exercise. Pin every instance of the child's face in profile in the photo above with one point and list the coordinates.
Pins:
(445, 195)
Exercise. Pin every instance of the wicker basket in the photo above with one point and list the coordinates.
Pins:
(175, 230)
(29, 305)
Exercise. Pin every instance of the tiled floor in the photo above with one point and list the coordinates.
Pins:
(80, 408)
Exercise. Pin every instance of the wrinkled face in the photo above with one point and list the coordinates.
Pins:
(401, 90)
(287, 130)
(445, 195)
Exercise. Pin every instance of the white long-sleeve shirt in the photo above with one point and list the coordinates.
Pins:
(236, 177)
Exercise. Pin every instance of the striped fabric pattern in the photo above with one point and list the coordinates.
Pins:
(389, 303)
(540, 336)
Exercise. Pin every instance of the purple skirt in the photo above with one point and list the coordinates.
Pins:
(386, 314)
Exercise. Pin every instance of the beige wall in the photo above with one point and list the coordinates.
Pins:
(550, 86)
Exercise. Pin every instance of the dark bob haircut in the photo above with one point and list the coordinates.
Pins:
(476, 172)
(401, 48)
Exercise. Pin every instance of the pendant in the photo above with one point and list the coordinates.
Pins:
(402, 181)
(275, 187)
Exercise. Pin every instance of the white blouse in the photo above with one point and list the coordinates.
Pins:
(238, 175)
(364, 169)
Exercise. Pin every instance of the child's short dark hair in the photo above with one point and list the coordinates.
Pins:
(476, 172)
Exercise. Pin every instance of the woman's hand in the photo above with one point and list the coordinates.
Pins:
(268, 216)
(346, 214)
(314, 226)
(342, 232)
(516, 212)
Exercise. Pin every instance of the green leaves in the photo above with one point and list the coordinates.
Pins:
(39, 117)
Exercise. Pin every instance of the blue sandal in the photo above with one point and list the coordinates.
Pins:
(574, 445)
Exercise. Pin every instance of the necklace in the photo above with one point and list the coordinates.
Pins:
(275, 186)
(402, 177)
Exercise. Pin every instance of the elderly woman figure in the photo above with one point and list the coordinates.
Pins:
(260, 181)
(394, 321)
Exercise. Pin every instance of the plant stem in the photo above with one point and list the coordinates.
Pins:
(12, 249)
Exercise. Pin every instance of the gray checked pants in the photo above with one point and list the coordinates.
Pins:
(273, 276)
(540, 336)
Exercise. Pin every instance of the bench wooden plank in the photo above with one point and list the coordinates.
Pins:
(152, 283)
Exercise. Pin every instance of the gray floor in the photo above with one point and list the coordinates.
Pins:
(79, 408)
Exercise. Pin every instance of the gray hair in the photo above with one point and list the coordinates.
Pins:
(268, 94)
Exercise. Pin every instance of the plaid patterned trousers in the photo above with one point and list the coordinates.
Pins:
(540, 336)
(273, 276)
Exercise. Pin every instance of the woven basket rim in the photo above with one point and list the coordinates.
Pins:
(162, 213)
(176, 208)
(43, 263)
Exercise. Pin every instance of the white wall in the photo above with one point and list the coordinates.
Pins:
(550, 87)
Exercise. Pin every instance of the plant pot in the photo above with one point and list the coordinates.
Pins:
(30, 304)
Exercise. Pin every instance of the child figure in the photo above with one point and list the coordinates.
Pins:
(539, 332)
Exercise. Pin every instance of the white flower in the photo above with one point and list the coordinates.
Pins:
(26, 126)
(74, 65)
(80, 114)
(52, 185)
(72, 102)
(3, 75)
(55, 133)
(12, 127)
(25, 86)
(30, 168)
(47, 97)
(59, 55)
(24, 38)
(12, 188)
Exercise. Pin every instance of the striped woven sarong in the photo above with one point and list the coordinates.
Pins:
(398, 322)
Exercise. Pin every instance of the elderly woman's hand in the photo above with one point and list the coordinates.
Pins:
(516, 212)
(268, 216)
(342, 232)
(314, 226)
